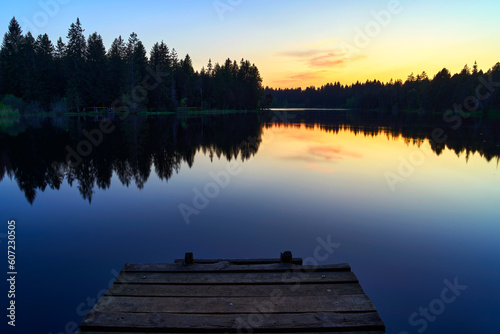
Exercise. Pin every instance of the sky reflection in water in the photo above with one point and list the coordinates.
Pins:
(301, 184)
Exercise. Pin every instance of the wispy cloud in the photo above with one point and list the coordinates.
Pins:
(329, 60)
(316, 58)
(317, 154)
(325, 54)
(331, 153)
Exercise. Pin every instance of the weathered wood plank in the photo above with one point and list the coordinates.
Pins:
(236, 278)
(279, 303)
(225, 266)
(165, 322)
(207, 290)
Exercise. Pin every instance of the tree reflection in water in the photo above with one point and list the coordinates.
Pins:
(29, 149)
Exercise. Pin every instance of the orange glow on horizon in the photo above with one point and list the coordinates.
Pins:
(315, 66)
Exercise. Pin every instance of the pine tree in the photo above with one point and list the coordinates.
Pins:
(141, 62)
(160, 95)
(44, 77)
(206, 86)
(11, 61)
(75, 61)
(137, 63)
(95, 74)
(474, 68)
(185, 78)
(117, 56)
(60, 76)
(209, 67)
(131, 46)
(175, 66)
(174, 58)
(60, 49)
(28, 70)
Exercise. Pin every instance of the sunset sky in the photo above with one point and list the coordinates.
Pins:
(293, 43)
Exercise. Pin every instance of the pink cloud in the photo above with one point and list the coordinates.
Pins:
(331, 153)
(325, 62)
(322, 57)
(317, 154)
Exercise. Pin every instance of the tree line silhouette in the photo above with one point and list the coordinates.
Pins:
(81, 73)
(416, 93)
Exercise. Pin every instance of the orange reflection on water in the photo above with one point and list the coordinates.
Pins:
(353, 159)
(317, 150)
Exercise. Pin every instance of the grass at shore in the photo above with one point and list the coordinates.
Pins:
(493, 114)
(7, 112)
(8, 116)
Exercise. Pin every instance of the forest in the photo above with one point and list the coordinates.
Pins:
(473, 88)
(37, 75)
(81, 73)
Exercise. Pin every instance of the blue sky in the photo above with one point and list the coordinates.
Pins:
(294, 43)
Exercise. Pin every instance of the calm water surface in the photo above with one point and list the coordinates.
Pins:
(405, 214)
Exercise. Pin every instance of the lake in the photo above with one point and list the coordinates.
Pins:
(415, 217)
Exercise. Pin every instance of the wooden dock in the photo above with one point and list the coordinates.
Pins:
(234, 296)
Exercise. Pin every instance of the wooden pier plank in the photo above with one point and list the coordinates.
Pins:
(226, 266)
(236, 278)
(237, 305)
(207, 290)
(166, 322)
